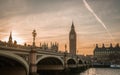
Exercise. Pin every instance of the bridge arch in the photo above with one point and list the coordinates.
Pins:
(71, 61)
(16, 58)
(59, 59)
(80, 61)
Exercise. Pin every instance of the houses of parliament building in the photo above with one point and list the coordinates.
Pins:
(107, 54)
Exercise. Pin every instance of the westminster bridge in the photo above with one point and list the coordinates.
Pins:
(35, 59)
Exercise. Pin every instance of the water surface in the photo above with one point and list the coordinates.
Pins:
(101, 71)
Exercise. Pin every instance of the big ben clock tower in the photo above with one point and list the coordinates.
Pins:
(72, 40)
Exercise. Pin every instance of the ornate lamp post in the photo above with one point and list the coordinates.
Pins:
(65, 60)
(77, 61)
(65, 48)
(33, 56)
(65, 57)
(34, 34)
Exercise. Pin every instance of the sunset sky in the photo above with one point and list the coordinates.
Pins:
(52, 20)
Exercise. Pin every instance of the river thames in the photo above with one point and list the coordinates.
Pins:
(94, 71)
(91, 71)
(101, 71)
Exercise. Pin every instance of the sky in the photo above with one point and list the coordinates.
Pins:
(52, 20)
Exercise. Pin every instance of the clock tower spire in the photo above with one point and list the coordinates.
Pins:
(72, 40)
(10, 40)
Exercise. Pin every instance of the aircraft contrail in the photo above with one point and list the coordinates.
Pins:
(98, 19)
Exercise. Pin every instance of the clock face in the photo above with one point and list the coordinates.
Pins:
(72, 36)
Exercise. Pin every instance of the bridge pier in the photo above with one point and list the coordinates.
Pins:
(33, 66)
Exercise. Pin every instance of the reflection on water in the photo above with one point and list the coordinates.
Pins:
(12, 71)
(101, 71)
(91, 71)
(95, 71)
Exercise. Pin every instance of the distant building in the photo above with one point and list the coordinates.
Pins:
(72, 40)
(10, 42)
(106, 54)
(53, 46)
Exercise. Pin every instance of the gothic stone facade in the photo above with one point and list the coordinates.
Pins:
(107, 54)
